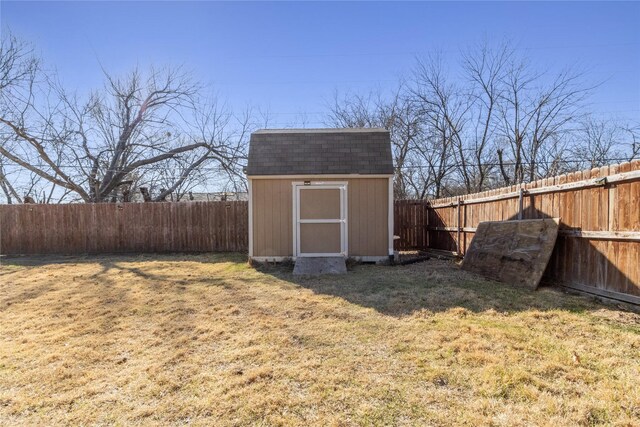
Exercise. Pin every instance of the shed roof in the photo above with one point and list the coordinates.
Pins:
(320, 152)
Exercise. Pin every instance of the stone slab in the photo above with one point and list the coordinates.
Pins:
(316, 266)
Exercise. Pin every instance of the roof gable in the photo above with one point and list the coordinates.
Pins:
(320, 152)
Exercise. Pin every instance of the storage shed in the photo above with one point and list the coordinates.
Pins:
(320, 192)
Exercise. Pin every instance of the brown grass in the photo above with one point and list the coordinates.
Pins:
(209, 340)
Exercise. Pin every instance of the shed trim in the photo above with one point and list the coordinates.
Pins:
(250, 191)
(343, 186)
(320, 130)
(364, 258)
(390, 204)
(272, 258)
(320, 176)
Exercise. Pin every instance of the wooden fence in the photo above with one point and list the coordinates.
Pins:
(124, 227)
(598, 247)
(410, 225)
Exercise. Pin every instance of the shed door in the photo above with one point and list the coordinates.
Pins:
(320, 219)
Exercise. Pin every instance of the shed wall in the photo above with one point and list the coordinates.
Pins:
(367, 216)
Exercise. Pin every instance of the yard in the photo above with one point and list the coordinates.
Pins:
(209, 340)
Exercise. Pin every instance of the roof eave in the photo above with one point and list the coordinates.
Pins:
(322, 175)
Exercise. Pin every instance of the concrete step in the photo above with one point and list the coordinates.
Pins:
(315, 266)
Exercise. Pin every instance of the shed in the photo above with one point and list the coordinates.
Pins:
(320, 192)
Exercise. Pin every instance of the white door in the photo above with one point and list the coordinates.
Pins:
(320, 219)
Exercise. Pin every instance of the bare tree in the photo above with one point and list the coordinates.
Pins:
(396, 113)
(444, 114)
(18, 67)
(225, 133)
(95, 148)
(597, 141)
(496, 121)
(10, 193)
(631, 140)
(484, 69)
(534, 112)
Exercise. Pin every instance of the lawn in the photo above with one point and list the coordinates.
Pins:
(209, 340)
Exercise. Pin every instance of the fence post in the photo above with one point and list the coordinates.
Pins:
(520, 202)
(464, 225)
(427, 232)
(458, 227)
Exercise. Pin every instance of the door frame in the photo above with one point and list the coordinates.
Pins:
(297, 186)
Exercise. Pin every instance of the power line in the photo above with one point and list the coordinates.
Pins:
(405, 167)
(324, 113)
(547, 162)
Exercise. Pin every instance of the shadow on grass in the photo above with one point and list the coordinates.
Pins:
(435, 286)
(42, 260)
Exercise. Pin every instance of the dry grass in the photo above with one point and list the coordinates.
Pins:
(210, 341)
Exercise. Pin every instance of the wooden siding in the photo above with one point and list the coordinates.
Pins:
(123, 227)
(367, 216)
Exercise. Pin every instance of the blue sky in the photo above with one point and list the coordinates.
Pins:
(289, 58)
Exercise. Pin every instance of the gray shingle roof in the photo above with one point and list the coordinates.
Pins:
(320, 152)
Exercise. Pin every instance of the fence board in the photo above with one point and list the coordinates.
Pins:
(123, 227)
(581, 260)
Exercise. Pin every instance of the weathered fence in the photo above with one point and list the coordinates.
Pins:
(124, 227)
(598, 247)
(410, 224)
